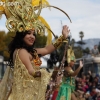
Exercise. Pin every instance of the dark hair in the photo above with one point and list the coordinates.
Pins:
(65, 64)
(18, 43)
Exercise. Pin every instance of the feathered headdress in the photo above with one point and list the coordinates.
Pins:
(25, 15)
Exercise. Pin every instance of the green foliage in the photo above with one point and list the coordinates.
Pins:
(86, 50)
(78, 52)
(40, 41)
(5, 39)
(2, 42)
(81, 35)
(8, 38)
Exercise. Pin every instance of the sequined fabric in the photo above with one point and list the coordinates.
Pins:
(66, 88)
(25, 86)
(58, 41)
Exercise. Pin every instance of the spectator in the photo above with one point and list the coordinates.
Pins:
(95, 52)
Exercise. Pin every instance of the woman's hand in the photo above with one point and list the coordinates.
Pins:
(81, 64)
(65, 31)
(37, 74)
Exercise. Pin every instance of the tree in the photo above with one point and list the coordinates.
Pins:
(40, 41)
(8, 38)
(2, 42)
(72, 42)
(78, 52)
(81, 35)
(86, 50)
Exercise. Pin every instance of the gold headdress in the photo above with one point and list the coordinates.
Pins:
(25, 15)
(70, 55)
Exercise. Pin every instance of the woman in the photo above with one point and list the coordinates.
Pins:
(29, 81)
(67, 87)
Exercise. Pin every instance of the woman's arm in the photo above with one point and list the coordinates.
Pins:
(70, 72)
(76, 71)
(25, 57)
(50, 48)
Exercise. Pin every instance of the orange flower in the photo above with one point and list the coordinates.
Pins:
(37, 61)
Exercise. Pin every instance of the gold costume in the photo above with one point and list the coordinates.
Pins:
(25, 15)
(25, 86)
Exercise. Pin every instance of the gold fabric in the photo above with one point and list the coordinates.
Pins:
(63, 98)
(25, 86)
(70, 54)
(6, 84)
(70, 72)
(59, 41)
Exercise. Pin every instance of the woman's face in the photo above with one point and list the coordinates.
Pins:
(72, 63)
(29, 38)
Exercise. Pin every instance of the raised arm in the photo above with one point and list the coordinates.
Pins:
(70, 72)
(78, 69)
(50, 48)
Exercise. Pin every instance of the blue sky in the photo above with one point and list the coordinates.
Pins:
(85, 16)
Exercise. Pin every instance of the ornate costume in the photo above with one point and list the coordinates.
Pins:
(68, 83)
(66, 88)
(25, 86)
(24, 15)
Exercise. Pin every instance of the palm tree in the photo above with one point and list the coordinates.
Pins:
(81, 35)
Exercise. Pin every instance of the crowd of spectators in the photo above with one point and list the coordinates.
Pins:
(87, 86)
